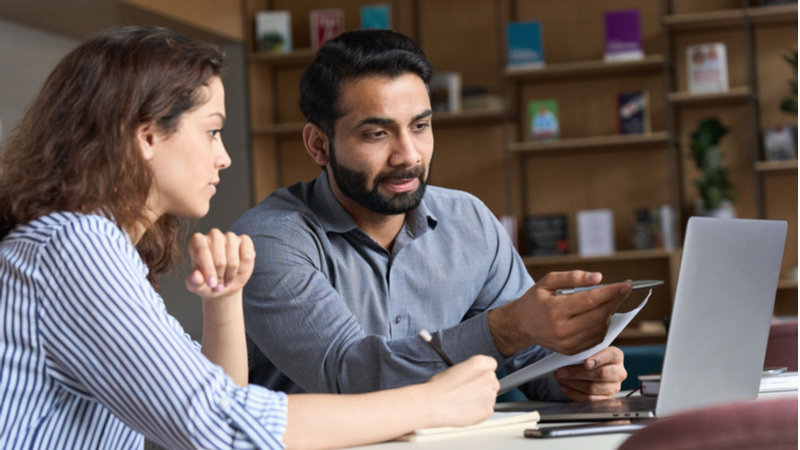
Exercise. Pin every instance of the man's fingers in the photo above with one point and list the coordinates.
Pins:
(566, 280)
(608, 355)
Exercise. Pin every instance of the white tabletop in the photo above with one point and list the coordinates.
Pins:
(513, 439)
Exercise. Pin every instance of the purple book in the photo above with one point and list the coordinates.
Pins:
(623, 35)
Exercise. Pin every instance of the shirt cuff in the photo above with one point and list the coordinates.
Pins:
(259, 414)
(469, 338)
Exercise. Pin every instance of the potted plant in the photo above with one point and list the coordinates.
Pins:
(717, 195)
(789, 104)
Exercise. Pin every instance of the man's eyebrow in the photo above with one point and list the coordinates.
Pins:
(386, 121)
(426, 113)
(375, 121)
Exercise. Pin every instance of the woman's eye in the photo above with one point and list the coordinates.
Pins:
(214, 133)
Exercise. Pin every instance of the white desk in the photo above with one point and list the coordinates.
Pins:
(513, 440)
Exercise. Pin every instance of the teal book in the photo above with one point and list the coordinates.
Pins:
(378, 16)
(524, 45)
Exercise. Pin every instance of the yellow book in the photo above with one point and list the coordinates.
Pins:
(498, 422)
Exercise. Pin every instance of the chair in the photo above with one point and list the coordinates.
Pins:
(767, 424)
(782, 345)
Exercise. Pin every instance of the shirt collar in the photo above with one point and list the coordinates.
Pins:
(335, 218)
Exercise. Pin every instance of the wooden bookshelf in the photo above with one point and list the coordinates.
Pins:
(787, 284)
(780, 14)
(627, 255)
(477, 116)
(293, 129)
(704, 20)
(650, 63)
(594, 143)
(304, 56)
(739, 94)
(776, 166)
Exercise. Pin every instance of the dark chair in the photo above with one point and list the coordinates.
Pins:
(782, 344)
(760, 425)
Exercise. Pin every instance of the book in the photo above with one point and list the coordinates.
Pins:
(499, 421)
(785, 381)
(274, 31)
(543, 115)
(595, 232)
(524, 45)
(623, 35)
(633, 112)
(326, 24)
(477, 97)
(509, 223)
(378, 16)
(780, 143)
(707, 67)
(446, 92)
(547, 235)
(654, 227)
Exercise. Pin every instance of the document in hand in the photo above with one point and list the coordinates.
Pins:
(555, 361)
(497, 422)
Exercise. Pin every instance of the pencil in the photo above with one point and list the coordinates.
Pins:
(427, 338)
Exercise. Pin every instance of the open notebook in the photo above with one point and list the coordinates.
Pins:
(497, 422)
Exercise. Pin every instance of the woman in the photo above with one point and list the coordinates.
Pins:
(124, 139)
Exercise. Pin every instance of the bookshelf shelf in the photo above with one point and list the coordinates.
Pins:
(733, 95)
(300, 56)
(625, 255)
(732, 17)
(787, 284)
(650, 63)
(477, 116)
(773, 14)
(704, 20)
(284, 130)
(596, 143)
(776, 166)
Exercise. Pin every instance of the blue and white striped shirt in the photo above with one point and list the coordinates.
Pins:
(89, 357)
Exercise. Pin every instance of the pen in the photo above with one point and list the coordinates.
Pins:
(427, 338)
(635, 286)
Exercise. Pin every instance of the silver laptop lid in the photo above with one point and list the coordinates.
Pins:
(721, 315)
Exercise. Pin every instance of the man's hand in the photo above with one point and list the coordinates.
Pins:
(598, 378)
(567, 324)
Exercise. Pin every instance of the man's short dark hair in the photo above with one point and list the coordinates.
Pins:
(350, 56)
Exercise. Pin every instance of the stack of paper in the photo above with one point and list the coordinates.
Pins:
(498, 422)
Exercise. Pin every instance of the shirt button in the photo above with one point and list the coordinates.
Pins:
(397, 319)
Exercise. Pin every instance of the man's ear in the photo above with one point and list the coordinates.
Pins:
(146, 139)
(316, 142)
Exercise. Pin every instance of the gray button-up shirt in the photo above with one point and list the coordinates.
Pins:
(330, 310)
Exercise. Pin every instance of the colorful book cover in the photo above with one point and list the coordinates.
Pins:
(274, 31)
(326, 24)
(544, 119)
(446, 92)
(377, 16)
(547, 235)
(623, 35)
(707, 66)
(633, 112)
(525, 49)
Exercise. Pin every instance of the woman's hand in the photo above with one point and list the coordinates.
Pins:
(464, 394)
(221, 263)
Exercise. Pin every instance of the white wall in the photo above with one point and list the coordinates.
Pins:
(27, 55)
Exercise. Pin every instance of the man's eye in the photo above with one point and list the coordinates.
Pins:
(375, 134)
(423, 125)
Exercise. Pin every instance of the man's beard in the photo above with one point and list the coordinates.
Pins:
(353, 185)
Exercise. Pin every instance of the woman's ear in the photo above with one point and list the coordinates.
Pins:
(316, 142)
(146, 139)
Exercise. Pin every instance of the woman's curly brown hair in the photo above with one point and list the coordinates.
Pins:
(75, 149)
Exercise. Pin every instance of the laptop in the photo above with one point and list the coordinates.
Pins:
(719, 326)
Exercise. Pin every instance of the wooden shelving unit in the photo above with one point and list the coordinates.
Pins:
(651, 63)
(303, 56)
(629, 255)
(738, 94)
(777, 166)
(597, 143)
(787, 284)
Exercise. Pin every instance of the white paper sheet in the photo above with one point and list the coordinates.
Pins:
(555, 361)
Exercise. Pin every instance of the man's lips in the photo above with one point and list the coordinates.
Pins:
(400, 185)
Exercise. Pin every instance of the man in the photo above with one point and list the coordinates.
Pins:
(353, 265)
